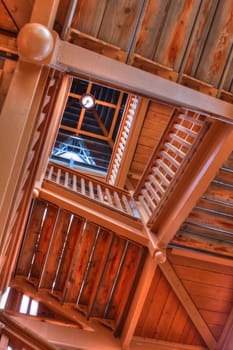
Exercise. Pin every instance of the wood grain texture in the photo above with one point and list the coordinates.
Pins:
(118, 22)
(210, 286)
(163, 317)
(155, 122)
(217, 45)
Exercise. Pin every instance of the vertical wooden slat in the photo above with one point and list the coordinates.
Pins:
(32, 232)
(42, 243)
(68, 252)
(79, 264)
(55, 250)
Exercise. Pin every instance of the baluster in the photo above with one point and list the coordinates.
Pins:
(83, 191)
(148, 199)
(91, 189)
(100, 193)
(50, 174)
(109, 196)
(117, 200)
(144, 205)
(58, 178)
(127, 205)
(163, 178)
(153, 193)
(158, 186)
(74, 184)
(174, 149)
(165, 167)
(66, 179)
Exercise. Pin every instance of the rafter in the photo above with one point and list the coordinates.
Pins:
(138, 301)
(188, 305)
(226, 336)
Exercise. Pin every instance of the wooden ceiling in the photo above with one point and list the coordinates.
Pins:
(81, 270)
(185, 41)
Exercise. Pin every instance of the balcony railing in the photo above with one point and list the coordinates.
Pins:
(95, 190)
(173, 152)
(122, 139)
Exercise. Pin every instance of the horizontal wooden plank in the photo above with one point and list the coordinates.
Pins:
(195, 242)
(204, 277)
(198, 261)
(198, 85)
(201, 289)
(214, 318)
(154, 67)
(96, 45)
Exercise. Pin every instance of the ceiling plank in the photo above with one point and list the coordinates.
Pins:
(188, 304)
(137, 303)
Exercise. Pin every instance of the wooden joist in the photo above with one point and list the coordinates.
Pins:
(188, 305)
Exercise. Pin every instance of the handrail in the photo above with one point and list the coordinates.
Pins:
(183, 133)
(87, 186)
(46, 90)
(122, 139)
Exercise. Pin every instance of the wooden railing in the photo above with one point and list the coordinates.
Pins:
(122, 139)
(101, 192)
(168, 160)
(36, 143)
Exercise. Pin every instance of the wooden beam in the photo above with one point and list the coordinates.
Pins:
(139, 343)
(209, 157)
(102, 127)
(44, 12)
(17, 122)
(8, 44)
(99, 337)
(4, 341)
(82, 61)
(110, 219)
(137, 303)
(46, 298)
(226, 338)
(16, 331)
(188, 305)
(15, 148)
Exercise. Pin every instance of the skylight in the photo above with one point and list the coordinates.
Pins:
(86, 135)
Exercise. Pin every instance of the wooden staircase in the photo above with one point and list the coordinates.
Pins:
(77, 265)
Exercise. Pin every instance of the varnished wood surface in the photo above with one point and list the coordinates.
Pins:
(210, 286)
(163, 316)
(79, 263)
(209, 226)
(155, 122)
(189, 39)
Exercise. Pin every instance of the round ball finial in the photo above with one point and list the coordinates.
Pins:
(160, 256)
(35, 193)
(35, 42)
